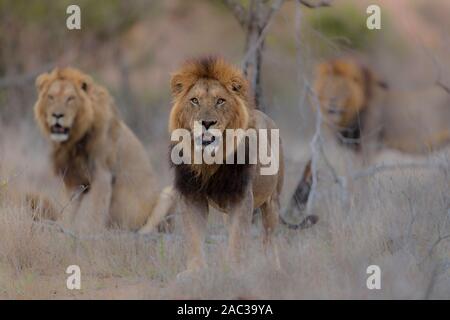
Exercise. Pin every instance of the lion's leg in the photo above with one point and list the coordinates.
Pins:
(270, 217)
(297, 204)
(195, 217)
(93, 211)
(239, 227)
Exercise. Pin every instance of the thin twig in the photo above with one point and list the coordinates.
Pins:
(238, 10)
(315, 155)
(74, 197)
(379, 168)
(317, 4)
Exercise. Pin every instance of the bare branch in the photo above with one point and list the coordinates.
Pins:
(315, 156)
(257, 44)
(274, 8)
(313, 5)
(398, 166)
(238, 10)
(443, 86)
(380, 168)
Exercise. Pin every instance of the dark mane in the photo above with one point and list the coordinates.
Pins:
(73, 164)
(225, 186)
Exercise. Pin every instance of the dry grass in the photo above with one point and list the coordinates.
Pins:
(391, 220)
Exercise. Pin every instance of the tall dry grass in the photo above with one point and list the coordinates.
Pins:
(392, 219)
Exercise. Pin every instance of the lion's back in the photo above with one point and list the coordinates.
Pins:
(418, 121)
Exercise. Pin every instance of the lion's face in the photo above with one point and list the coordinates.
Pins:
(340, 88)
(63, 109)
(213, 98)
(210, 105)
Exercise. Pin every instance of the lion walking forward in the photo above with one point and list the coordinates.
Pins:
(363, 115)
(104, 166)
(215, 94)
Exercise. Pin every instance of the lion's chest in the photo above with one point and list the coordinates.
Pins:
(217, 206)
(74, 167)
(225, 187)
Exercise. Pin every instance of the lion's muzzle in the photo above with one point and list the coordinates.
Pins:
(59, 133)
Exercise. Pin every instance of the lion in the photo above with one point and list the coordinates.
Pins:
(103, 165)
(365, 116)
(214, 93)
(360, 110)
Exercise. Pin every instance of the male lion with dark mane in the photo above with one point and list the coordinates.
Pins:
(216, 94)
(104, 166)
(364, 115)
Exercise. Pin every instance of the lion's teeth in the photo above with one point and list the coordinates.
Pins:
(59, 137)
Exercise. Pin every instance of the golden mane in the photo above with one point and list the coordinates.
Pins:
(97, 114)
(359, 81)
(215, 68)
(241, 105)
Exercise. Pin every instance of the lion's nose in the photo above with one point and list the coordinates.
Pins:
(208, 124)
(57, 115)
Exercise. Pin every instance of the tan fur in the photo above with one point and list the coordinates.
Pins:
(208, 80)
(349, 95)
(361, 112)
(103, 165)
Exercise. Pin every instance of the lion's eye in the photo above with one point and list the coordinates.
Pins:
(50, 97)
(220, 102)
(71, 98)
(194, 101)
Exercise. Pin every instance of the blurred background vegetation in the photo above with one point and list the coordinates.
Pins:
(133, 46)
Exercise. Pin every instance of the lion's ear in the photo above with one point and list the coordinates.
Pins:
(176, 84)
(41, 81)
(237, 85)
(85, 83)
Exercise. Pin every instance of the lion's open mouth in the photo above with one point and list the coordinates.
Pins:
(207, 140)
(59, 133)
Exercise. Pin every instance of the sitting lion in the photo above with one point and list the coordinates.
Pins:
(364, 115)
(104, 166)
(215, 94)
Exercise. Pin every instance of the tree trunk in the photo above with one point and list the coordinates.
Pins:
(254, 47)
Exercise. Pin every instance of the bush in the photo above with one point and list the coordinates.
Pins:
(345, 25)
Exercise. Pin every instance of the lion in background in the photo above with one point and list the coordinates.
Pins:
(216, 94)
(360, 110)
(104, 167)
(364, 115)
